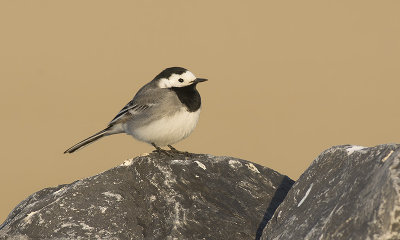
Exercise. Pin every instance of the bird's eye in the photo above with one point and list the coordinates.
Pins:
(180, 80)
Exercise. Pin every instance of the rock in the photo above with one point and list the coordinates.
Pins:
(155, 197)
(348, 192)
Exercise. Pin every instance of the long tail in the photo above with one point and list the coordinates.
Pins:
(88, 141)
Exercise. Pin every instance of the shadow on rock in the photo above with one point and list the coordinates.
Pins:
(277, 199)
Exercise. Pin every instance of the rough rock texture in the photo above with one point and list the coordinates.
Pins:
(349, 192)
(155, 197)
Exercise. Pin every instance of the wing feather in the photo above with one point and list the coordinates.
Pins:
(130, 110)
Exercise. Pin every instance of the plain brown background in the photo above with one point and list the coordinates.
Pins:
(286, 80)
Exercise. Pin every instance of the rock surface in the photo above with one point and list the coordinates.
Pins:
(155, 197)
(348, 192)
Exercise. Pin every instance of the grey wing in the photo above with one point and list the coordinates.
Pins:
(130, 110)
(143, 105)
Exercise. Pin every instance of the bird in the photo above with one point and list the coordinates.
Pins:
(163, 112)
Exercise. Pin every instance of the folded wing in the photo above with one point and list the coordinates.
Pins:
(130, 110)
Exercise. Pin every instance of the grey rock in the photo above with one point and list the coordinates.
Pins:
(155, 197)
(348, 192)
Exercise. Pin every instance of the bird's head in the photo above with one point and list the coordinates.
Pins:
(176, 77)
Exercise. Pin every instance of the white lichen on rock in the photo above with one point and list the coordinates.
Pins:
(114, 195)
(201, 165)
(234, 163)
(353, 149)
(252, 167)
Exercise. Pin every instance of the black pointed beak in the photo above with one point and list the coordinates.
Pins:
(198, 80)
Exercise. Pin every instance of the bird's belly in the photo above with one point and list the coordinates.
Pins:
(169, 130)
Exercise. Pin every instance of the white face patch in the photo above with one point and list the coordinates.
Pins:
(176, 80)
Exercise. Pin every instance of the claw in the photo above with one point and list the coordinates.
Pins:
(162, 151)
(174, 150)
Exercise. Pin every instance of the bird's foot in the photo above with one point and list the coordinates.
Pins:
(161, 151)
(176, 151)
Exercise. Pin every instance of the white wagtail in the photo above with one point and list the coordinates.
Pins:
(163, 112)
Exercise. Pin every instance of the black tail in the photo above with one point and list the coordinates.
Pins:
(87, 141)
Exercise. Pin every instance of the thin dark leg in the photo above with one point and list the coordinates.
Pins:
(160, 150)
(157, 147)
(172, 148)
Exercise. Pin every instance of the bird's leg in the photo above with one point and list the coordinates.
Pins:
(174, 150)
(160, 150)
(156, 147)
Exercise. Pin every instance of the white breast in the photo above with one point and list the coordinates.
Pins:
(168, 130)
